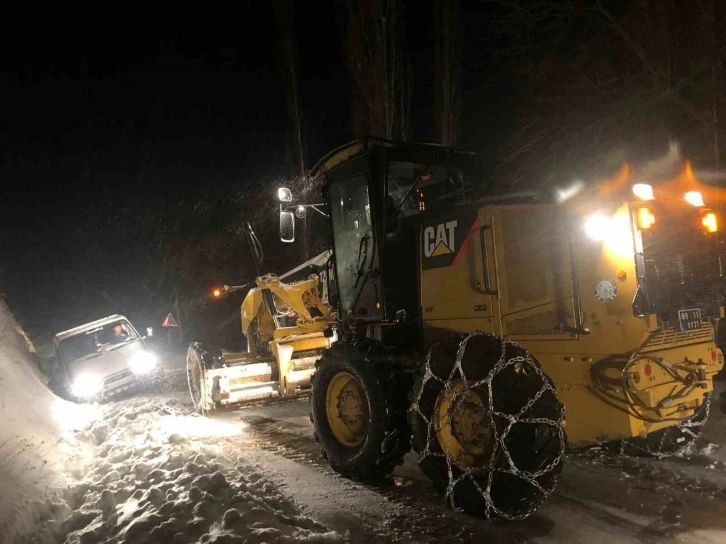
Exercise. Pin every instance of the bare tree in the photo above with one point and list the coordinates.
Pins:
(289, 66)
(447, 66)
(379, 68)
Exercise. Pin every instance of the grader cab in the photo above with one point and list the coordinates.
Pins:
(467, 328)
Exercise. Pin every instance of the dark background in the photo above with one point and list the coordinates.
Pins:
(132, 152)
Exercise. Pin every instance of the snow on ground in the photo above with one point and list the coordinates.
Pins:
(147, 469)
(38, 450)
(140, 470)
(163, 474)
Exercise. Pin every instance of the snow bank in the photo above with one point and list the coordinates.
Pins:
(164, 474)
(38, 453)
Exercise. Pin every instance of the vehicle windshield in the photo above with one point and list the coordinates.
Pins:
(419, 187)
(97, 340)
(351, 217)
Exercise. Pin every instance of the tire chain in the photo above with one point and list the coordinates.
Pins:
(530, 477)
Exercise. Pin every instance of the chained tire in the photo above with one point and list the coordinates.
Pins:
(198, 359)
(669, 441)
(359, 403)
(487, 426)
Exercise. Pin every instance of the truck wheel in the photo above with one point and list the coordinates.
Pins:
(487, 426)
(59, 388)
(197, 360)
(668, 441)
(359, 402)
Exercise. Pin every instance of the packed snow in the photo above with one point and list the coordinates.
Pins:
(143, 470)
(163, 474)
(148, 469)
(39, 452)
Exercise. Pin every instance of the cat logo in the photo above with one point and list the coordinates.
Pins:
(444, 242)
(439, 241)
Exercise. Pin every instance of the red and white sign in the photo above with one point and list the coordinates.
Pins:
(169, 321)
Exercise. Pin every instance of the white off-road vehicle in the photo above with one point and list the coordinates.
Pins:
(101, 359)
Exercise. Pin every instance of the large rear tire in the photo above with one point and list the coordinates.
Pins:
(487, 426)
(359, 402)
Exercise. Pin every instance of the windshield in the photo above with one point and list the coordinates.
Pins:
(419, 187)
(351, 217)
(97, 340)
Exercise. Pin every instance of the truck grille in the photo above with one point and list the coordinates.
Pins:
(670, 337)
(113, 378)
(682, 268)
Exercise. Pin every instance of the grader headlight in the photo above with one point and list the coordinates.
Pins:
(646, 219)
(614, 231)
(597, 226)
(709, 222)
(643, 191)
(694, 198)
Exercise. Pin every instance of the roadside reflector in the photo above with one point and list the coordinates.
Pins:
(709, 222)
(646, 219)
(648, 369)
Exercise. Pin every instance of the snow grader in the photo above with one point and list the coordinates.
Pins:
(468, 327)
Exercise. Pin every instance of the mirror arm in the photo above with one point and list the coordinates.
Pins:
(289, 207)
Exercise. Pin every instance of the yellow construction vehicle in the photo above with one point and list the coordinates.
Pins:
(468, 327)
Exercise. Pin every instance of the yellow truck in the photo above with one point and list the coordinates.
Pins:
(490, 333)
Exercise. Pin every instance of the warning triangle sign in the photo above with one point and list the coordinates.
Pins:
(169, 321)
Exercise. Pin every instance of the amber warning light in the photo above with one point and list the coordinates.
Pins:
(646, 219)
(709, 223)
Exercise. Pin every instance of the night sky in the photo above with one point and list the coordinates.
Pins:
(109, 128)
(98, 120)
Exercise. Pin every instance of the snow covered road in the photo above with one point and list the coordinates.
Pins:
(147, 469)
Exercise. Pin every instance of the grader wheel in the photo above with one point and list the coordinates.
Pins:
(198, 358)
(487, 426)
(359, 403)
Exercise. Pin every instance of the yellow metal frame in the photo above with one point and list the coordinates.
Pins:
(452, 299)
(308, 332)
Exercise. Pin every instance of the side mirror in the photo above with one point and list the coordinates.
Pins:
(287, 227)
(284, 194)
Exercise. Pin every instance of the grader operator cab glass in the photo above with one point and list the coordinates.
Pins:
(355, 248)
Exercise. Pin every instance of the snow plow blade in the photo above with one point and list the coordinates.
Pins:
(221, 380)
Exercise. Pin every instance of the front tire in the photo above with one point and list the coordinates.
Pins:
(487, 426)
(198, 359)
(359, 404)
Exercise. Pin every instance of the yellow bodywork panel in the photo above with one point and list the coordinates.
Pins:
(295, 301)
(250, 308)
(515, 271)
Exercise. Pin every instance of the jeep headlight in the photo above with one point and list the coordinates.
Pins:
(143, 363)
(86, 386)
